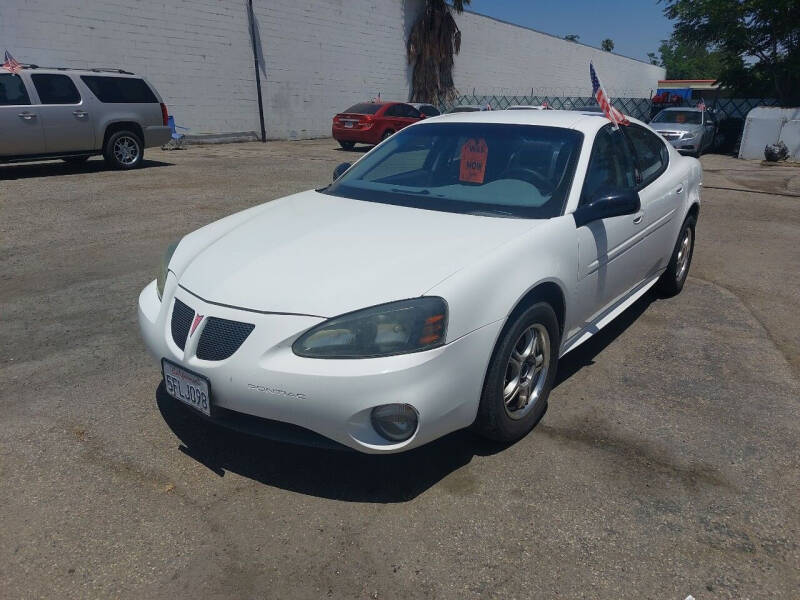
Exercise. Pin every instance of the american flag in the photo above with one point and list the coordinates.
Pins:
(702, 104)
(11, 64)
(604, 101)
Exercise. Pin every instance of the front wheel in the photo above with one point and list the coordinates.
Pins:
(387, 134)
(123, 150)
(520, 375)
(671, 281)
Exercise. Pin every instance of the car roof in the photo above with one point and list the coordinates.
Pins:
(584, 122)
(33, 69)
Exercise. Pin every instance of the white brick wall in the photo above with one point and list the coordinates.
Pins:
(500, 58)
(320, 55)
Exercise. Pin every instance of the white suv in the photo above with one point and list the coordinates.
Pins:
(73, 114)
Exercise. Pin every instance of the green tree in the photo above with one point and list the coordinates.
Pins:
(572, 37)
(689, 61)
(758, 41)
(432, 45)
(607, 45)
(651, 56)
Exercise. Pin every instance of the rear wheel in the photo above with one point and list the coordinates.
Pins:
(671, 281)
(123, 150)
(520, 375)
(347, 145)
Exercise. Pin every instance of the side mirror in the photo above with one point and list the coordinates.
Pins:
(422, 115)
(337, 172)
(608, 203)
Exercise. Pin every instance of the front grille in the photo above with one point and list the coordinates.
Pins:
(221, 338)
(182, 317)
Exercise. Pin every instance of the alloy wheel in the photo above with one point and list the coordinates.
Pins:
(526, 371)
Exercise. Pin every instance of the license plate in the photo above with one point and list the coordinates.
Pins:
(190, 388)
(348, 124)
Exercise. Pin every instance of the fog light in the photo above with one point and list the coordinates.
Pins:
(395, 422)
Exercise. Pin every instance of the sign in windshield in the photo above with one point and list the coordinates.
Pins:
(482, 168)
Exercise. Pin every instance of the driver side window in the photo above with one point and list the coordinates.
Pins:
(610, 165)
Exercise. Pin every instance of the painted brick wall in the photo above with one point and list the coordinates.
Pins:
(319, 56)
(500, 58)
(197, 52)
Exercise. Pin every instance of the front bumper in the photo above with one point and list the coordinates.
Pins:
(332, 398)
(682, 144)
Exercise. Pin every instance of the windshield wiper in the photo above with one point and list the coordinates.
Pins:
(493, 213)
(421, 192)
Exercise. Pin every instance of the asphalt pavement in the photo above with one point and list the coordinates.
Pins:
(666, 465)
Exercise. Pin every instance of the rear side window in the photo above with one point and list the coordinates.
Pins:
(651, 153)
(12, 90)
(396, 110)
(116, 90)
(364, 108)
(56, 89)
(429, 110)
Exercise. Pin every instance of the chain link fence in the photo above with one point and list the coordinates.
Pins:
(731, 112)
(638, 108)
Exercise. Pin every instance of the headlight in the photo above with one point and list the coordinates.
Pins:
(161, 276)
(393, 328)
(689, 136)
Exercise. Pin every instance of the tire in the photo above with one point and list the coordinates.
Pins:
(387, 134)
(347, 145)
(671, 281)
(75, 160)
(123, 150)
(503, 414)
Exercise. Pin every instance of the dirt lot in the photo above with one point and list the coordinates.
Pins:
(667, 464)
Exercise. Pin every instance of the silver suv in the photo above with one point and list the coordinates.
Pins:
(71, 114)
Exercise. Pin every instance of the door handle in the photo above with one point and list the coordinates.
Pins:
(79, 113)
(679, 189)
(27, 115)
(638, 219)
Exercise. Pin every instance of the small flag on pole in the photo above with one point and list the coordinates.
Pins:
(702, 104)
(11, 64)
(616, 117)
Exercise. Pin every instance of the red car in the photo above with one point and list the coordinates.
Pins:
(371, 122)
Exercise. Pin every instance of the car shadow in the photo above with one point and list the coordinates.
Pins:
(348, 475)
(584, 355)
(11, 171)
(336, 474)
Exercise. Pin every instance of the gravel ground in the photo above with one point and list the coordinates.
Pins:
(666, 465)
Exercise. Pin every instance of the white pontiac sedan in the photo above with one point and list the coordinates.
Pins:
(432, 287)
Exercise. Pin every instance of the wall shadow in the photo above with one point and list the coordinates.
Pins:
(57, 168)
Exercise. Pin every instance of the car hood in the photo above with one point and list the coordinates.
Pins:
(676, 127)
(323, 255)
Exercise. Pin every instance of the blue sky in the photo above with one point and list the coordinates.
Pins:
(636, 26)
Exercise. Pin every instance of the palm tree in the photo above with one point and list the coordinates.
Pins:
(433, 42)
(607, 45)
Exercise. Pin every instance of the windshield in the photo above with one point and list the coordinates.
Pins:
(479, 168)
(690, 117)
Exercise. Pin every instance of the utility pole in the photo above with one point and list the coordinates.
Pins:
(252, 18)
